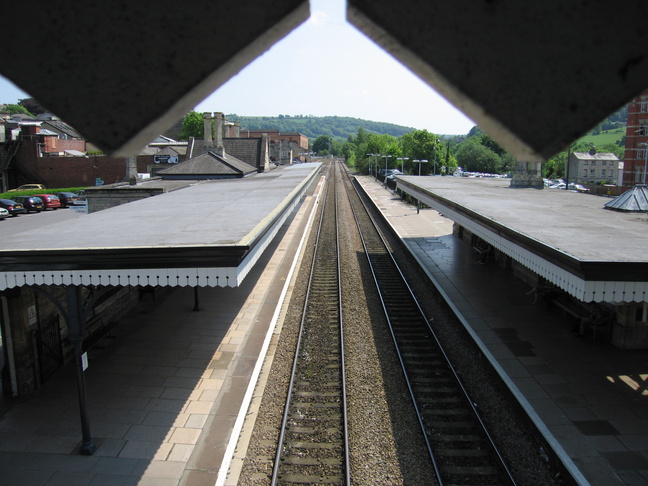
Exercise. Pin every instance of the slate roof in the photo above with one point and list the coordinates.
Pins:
(61, 127)
(209, 165)
(596, 156)
(635, 199)
(245, 149)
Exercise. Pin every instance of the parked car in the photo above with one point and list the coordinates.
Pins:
(50, 201)
(4, 213)
(27, 187)
(31, 203)
(14, 208)
(578, 187)
(68, 198)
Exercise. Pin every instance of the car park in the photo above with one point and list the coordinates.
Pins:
(28, 187)
(14, 208)
(4, 213)
(50, 201)
(68, 198)
(31, 203)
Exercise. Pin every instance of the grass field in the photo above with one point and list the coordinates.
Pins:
(609, 136)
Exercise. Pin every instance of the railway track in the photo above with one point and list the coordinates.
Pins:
(313, 442)
(303, 437)
(459, 444)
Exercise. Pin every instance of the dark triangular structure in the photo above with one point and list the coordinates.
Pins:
(209, 165)
(635, 199)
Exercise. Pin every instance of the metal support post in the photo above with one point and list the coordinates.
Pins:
(76, 325)
(196, 300)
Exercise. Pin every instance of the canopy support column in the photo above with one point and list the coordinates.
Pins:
(76, 329)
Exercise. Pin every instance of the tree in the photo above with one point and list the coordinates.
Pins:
(554, 168)
(421, 145)
(322, 144)
(16, 109)
(474, 157)
(192, 126)
(32, 106)
(488, 142)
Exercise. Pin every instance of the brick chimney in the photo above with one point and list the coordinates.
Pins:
(131, 170)
(207, 121)
(219, 122)
(264, 157)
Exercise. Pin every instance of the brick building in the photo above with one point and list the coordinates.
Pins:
(636, 148)
(283, 146)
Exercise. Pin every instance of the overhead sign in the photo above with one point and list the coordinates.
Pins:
(165, 159)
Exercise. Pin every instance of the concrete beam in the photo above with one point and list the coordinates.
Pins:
(122, 73)
(534, 75)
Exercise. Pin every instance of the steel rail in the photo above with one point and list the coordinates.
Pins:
(303, 328)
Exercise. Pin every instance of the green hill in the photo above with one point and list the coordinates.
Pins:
(338, 127)
(607, 136)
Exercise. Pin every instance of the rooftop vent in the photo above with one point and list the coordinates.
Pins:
(635, 199)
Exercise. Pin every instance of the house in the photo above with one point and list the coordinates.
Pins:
(592, 167)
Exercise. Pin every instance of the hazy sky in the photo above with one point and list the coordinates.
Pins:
(327, 67)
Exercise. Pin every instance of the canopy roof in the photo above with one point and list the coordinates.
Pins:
(208, 234)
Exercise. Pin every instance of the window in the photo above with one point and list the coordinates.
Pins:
(641, 154)
(642, 129)
(602, 172)
(643, 105)
(592, 172)
(584, 162)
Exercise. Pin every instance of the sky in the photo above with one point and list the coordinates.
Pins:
(326, 67)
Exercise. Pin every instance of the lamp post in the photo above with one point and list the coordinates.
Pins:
(402, 159)
(386, 157)
(419, 162)
(374, 155)
(434, 173)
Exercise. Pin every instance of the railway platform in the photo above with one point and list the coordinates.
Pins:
(167, 392)
(589, 398)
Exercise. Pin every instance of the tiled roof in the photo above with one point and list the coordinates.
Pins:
(596, 156)
(62, 127)
(245, 149)
(209, 165)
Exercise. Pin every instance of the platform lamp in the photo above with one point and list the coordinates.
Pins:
(419, 162)
(434, 172)
(370, 165)
(402, 159)
(386, 157)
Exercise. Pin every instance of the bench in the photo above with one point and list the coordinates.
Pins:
(586, 315)
(483, 252)
(97, 330)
